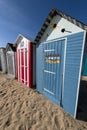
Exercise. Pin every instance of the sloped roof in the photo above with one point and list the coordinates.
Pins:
(19, 38)
(11, 46)
(2, 47)
(53, 13)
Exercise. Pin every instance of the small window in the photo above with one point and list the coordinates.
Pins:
(54, 26)
(22, 44)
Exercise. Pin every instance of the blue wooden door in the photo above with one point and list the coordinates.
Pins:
(53, 59)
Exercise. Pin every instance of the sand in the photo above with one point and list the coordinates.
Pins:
(22, 108)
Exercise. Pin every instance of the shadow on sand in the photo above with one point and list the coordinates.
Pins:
(82, 102)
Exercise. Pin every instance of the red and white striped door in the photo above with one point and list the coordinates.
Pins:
(25, 65)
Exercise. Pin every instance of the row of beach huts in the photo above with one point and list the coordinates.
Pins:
(18, 60)
(56, 61)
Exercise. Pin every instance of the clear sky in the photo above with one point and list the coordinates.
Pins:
(27, 16)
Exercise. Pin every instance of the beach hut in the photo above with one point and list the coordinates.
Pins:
(3, 68)
(11, 60)
(61, 59)
(25, 61)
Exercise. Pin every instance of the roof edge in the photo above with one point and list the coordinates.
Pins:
(50, 16)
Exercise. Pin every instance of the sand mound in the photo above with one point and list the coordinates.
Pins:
(22, 108)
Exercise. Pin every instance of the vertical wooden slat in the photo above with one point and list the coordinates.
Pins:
(27, 65)
(24, 67)
(18, 65)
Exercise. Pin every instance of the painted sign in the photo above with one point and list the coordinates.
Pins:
(52, 58)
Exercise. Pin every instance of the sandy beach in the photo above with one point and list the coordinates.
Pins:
(22, 108)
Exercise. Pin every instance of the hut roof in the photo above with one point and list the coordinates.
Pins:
(19, 38)
(11, 46)
(53, 13)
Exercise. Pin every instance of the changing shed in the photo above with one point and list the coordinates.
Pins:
(11, 59)
(3, 67)
(61, 59)
(25, 61)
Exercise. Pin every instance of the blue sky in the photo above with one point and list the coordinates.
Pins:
(27, 16)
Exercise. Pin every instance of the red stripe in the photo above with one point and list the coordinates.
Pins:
(30, 65)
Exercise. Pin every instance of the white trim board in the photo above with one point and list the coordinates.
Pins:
(54, 40)
(46, 71)
(80, 74)
(65, 48)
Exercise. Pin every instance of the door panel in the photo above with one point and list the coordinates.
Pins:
(26, 66)
(53, 56)
(10, 66)
(22, 64)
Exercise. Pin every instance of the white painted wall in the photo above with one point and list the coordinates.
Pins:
(56, 33)
(23, 44)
